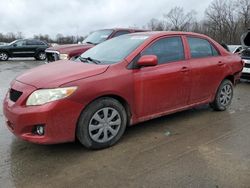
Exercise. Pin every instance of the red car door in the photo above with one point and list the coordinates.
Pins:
(166, 86)
(206, 67)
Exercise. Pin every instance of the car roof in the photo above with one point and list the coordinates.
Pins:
(122, 29)
(130, 29)
(163, 33)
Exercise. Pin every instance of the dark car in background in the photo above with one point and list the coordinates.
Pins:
(72, 51)
(245, 55)
(3, 43)
(24, 48)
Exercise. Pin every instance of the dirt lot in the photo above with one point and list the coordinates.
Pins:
(194, 148)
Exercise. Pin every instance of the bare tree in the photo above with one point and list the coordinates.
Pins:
(156, 25)
(243, 8)
(222, 20)
(178, 20)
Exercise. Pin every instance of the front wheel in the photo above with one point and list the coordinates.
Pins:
(41, 56)
(223, 96)
(4, 56)
(102, 123)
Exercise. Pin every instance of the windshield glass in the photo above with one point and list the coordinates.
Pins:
(232, 48)
(13, 42)
(98, 36)
(114, 50)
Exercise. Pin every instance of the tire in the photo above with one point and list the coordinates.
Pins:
(224, 96)
(4, 56)
(102, 123)
(41, 56)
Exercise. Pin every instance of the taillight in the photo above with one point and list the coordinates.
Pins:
(243, 62)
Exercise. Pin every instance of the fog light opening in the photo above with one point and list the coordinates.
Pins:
(39, 130)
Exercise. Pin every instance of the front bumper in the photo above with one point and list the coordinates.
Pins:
(59, 118)
(52, 56)
(246, 70)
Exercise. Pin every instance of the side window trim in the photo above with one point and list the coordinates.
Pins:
(168, 37)
(132, 64)
(212, 47)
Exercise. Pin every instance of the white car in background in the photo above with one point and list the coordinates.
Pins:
(245, 55)
(235, 48)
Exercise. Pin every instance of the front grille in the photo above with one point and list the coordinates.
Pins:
(247, 65)
(246, 53)
(52, 56)
(15, 95)
(245, 76)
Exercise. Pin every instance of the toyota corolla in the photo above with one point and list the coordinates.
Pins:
(120, 82)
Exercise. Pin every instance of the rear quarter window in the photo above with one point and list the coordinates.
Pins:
(201, 48)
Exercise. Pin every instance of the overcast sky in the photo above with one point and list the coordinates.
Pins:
(79, 17)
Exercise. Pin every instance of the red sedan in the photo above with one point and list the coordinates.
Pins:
(121, 82)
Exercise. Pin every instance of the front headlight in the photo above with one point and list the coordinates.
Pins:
(64, 56)
(43, 96)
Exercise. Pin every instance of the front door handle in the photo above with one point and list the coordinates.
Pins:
(184, 69)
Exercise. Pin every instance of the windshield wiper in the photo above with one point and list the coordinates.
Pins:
(84, 59)
(91, 43)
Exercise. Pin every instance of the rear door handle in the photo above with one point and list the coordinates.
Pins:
(184, 69)
(220, 63)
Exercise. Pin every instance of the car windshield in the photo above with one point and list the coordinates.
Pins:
(232, 48)
(114, 50)
(13, 42)
(98, 36)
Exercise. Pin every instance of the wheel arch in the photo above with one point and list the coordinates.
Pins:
(123, 101)
(7, 52)
(38, 51)
(232, 78)
(120, 99)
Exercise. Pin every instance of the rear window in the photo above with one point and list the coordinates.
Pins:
(201, 48)
(34, 42)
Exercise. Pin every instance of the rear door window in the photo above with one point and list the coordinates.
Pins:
(167, 50)
(40, 43)
(31, 42)
(118, 33)
(201, 48)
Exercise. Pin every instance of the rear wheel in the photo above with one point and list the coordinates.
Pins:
(41, 56)
(4, 56)
(223, 96)
(102, 123)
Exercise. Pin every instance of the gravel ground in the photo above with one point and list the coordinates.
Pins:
(194, 148)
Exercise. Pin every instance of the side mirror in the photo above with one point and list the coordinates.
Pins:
(147, 60)
(14, 45)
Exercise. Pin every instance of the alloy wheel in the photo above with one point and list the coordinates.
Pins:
(226, 95)
(3, 56)
(42, 56)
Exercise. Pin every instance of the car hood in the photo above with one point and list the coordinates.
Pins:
(4, 46)
(59, 73)
(68, 48)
